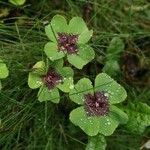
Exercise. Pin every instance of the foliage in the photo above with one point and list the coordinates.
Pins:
(139, 117)
(3, 71)
(96, 143)
(77, 27)
(70, 40)
(112, 55)
(24, 120)
(40, 69)
(106, 124)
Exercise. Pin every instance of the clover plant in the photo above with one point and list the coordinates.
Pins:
(3, 71)
(69, 40)
(50, 78)
(97, 113)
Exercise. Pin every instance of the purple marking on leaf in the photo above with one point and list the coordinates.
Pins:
(68, 42)
(97, 104)
(52, 78)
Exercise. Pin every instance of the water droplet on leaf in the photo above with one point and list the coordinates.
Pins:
(108, 123)
(71, 86)
(106, 94)
(38, 82)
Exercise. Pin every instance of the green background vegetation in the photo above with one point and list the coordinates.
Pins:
(28, 124)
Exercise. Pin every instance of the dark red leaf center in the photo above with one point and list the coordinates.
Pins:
(97, 104)
(52, 78)
(68, 42)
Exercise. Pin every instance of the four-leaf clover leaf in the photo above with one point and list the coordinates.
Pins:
(3, 71)
(50, 78)
(69, 39)
(98, 113)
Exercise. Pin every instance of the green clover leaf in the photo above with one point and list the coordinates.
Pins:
(115, 92)
(52, 52)
(45, 94)
(83, 86)
(85, 55)
(67, 74)
(49, 78)
(3, 70)
(57, 24)
(94, 117)
(78, 26)
(34, 81)
(69, 39)
(39, 68)
(58, 64)
(107, 124)
(88, 125)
